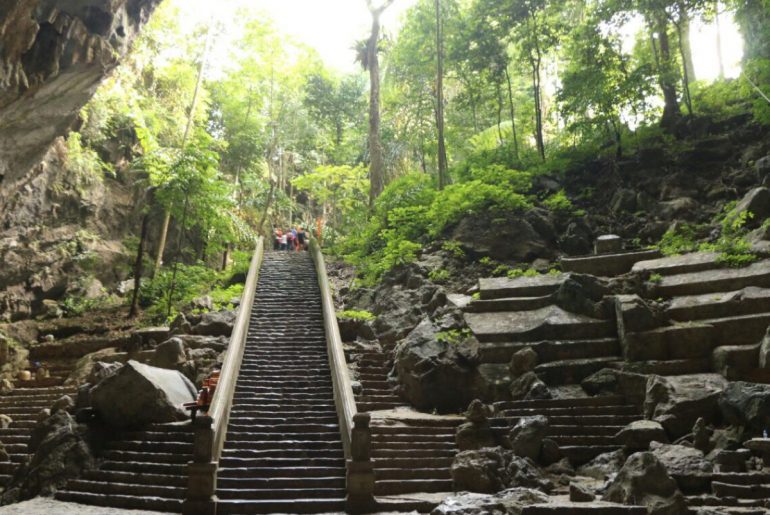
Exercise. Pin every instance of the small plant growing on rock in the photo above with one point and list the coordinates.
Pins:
(439, 276)
(678, 240)
(453, 336)
(454, 248)
(559, 203)
(352, 314)
(655, 278)
(476, 296)
(518, 272)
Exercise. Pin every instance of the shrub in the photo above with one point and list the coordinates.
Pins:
(439, 276)
(559, 203)
(678, 240)
(351, 314)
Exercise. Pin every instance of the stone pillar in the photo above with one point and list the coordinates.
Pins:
(608, 244)
(360, 470)
(201, 496)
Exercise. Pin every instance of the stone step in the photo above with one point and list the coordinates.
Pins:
(592, 420)
(114, 476)
(111, 488)
(146, 457)
(508, 304)
(714, 281)
(413, 430)
(266, 472)
(607, 265)
(728, 505)
(382, 474)
(667, 367)
(151, 446)
(412, 463)
(751, 491)
(609, 409)
(270, 493)
(377, 406)
(413, 452)
(503, 287)
(550, 323)
(583, 430)
(243, 463)
(279, 483)
(547, 351)
(135, 467)
(747, 301)
(562, 403)
(308, 504)
(129, 502)
(412, 438)
(403, 486)
(571, 371)
(683, 264)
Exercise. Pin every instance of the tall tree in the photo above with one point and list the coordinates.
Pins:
(370, 61)
(442, 159)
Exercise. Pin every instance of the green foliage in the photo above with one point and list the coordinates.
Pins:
(679, 239)
(453, 336)
(84, 162)
(454, 248)
(192, 281)
(518, 272)
(655, 278)
(474, 197)
(439, 276)
(351, 314)
(559, 203)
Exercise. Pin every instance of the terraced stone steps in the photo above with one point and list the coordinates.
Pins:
(376, 393)
(412, 458)
(141, 470)
(734, 492)
(584, 427)
(24, 405)
(283, 451)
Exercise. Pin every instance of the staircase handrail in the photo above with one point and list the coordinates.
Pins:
(211, 427)
(343, 389)
(222, 401)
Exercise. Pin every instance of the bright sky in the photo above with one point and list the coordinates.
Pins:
(329, 26)
(332, 27)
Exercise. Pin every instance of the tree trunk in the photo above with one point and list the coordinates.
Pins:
(162, 242)
(720, 56)
(686, 47)
(442, 159)
(270, 195)
(536, 60)
(500, 139)
(138, 265)
(513, 114)
(376, 160)
(666, 75)
(683, 49)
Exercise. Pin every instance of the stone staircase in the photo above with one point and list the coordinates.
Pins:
(734, 492)
(283, 451)
(23, 405)
(583, 427)
(512, 314)
(410, 455)
(719, 315)
(141, 470)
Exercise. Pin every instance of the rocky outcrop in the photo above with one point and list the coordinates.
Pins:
(139, 394)
(511, 501)
(678, 401)
(644, 480)
(53, 55)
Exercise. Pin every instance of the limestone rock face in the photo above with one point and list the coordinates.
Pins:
(140, 394)
(513, 239)
(678, 401)
(644, 480)
(757, 202)
(480, 471)
(746, 404)
(59, 453)
(436, 374)
(53, 55)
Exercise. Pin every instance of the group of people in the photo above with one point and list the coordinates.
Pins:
(295, 239)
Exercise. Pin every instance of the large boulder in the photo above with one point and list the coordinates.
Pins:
(527, 387)
(215, 323)
(437, 369)
(637, 435)
(507, 502)
(746, 404)
(514, 239)
(644, 480)
(687, 464)
(59, 453)
(756, 202)
(678, 401)
(139, 394)
(604, 465)
(481, 471)
(526, 437)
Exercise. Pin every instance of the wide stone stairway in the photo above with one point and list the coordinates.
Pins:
(283, 451)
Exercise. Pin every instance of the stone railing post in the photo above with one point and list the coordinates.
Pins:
(360, 470)
(202, 471)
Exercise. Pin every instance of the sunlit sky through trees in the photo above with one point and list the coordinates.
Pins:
(332, 27)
